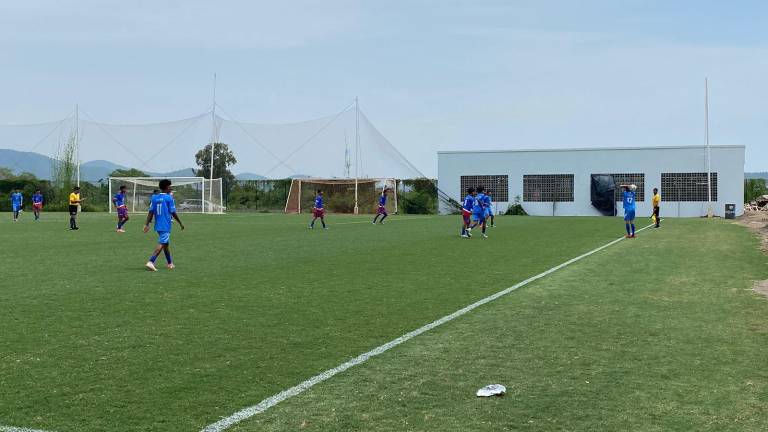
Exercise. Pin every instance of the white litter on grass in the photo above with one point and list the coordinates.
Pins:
(18, 429)
(492, 390)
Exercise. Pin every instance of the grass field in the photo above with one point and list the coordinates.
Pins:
(658, 333)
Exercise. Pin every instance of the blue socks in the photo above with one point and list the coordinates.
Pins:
(153, 258)
(633, 229)
(168, 256)
(628, 232)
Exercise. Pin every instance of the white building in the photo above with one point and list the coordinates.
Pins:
(559, 182)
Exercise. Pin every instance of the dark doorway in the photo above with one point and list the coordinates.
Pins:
(603, 194)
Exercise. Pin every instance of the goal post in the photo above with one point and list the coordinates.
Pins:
(192, 194)
(341, 195)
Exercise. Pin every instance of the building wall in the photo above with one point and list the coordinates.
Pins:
(726, 161)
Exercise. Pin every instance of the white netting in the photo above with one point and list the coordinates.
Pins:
(192, 194)
(341, 145)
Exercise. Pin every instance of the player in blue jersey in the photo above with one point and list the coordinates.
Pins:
(162, 208)
(318, 211)
(466, 213)
(382, 210)
(17, 202)
(628, 202)
(478, 211)
(122, 210)
(37, 203)
(489, 208)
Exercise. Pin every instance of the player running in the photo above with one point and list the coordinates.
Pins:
(466, 212)
(74, 203)
(656, 201)
(629, 209)
(37, 203)
(318, 211)
(17, 202)
(478, 210)
(162, 208)
(382, 207)
(122, 210)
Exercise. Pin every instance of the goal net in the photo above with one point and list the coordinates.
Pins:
(341, 195)
(192, 194)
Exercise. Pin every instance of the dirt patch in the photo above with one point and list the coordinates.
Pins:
(761, 287)
(757, 222)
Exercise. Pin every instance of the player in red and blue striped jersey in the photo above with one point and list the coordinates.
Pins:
(382, 210)
(37, 203)
(466, 212)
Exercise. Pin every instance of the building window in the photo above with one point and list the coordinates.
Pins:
(636, 179)
(548, 188)
(498, 185)
(687, 187)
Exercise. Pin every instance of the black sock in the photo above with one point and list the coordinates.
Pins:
(323, 221)
(375, 218)
(382, 219)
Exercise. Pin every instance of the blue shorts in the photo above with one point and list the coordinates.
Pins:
(478, 217)
(16, 207)
(163, 237)
(629, 215)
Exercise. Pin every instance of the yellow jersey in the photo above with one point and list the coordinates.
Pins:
(74, 198)
(656, 200)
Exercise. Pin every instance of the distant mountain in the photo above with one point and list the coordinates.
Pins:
(39, 165)
(42, 166)
(249, 176)
(756, 175)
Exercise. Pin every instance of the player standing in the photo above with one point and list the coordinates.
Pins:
(318, 211)
(37, 203)
(17, 202)
(74, 204)
(122, 210)
(489, 207)
(629, 209)
(382, 207)
(466, 212)
(162, 208)
(478, 210)
(656, 201)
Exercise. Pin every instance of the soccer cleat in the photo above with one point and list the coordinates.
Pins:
(311, 227)
(373, 223)
(151, 266)
(171, 266)
(465, 236)
(633, 236)
(484, 235)
(325, 228)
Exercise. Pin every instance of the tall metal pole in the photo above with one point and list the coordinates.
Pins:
(708, 149)
(357, 149)
(214, 138)
(77, 141)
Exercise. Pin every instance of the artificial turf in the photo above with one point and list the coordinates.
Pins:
(91, 341)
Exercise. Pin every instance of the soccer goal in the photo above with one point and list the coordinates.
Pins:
(192, 194)
(342, 195)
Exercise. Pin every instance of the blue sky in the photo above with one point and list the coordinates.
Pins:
(432, 75)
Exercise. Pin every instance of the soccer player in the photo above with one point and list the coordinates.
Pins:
(656, 201)
(489, 207)
(17, 202)
(318, 211)
(382, 207)
(37, 203)
(478, 210)
(466, 212)
(162, 208)
(629, 209)
(74, 203)
(122, 210)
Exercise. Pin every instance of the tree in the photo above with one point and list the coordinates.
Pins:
(6, 173)
(223, 158)
(65, 165)
(129, 172)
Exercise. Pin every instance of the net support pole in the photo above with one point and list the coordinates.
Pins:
(109, 197)
(299, 206)
(357, 150)
(395, 192)
(77, 143)
(708, 150)
(214, 136)
(133, 200)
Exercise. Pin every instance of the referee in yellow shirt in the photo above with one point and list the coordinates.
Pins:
(74, 203)
(656, 200)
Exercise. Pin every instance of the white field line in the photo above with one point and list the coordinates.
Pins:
(271, 401)
(18, 429)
